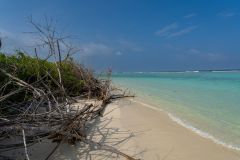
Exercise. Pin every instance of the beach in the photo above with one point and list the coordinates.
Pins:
(119, 80)
(138, 130)
(204, 102)
(156, 136)
(173, 116)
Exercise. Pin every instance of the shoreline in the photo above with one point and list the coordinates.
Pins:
(138, 130)
(161, 134)
(190, 127)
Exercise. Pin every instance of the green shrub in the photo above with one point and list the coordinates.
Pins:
(75, 78)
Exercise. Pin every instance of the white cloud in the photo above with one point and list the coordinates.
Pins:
(173, 30)
(119, 53)
(189, 15)
(210, 56)
(226, 14)
(215, 57)
(195, 54)
(182, 31)
(93, 48)
(194, 51)
(129, 45)
(167, 29)
(12, 40)
(5, 33)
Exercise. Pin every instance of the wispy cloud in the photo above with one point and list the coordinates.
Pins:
(124, 44)
(165, 31)
(93, 48)
(182, 31)
(195, 53)
(227, 14)
(173, 30)
(12, 40)
(119, 53)
(189, 15)
(210, 56)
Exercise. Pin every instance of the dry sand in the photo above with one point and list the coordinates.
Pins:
(138, 131)
(158, 137)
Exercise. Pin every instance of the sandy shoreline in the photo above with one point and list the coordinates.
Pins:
(158, 137)
(137, 130)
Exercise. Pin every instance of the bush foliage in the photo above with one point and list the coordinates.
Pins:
(76, 79)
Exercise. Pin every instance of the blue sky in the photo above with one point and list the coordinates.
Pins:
(136, 35)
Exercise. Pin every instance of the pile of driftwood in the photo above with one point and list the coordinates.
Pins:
(48, 114)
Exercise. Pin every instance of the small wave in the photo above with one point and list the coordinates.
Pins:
(226, 71)
(190, 127)
(202, 133)
(147, 105)
(192, 71)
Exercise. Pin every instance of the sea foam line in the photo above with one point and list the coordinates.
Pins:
(190, 127)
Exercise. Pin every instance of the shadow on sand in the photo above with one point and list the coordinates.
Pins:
(101, 131)
(101, 134)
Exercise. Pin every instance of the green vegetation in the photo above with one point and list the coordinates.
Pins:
(76, 79)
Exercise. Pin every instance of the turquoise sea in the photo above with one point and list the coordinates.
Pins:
(208, 103)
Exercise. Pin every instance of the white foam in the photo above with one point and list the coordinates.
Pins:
(190, 127)
(226, 71)
(202, 133)
(147, 105)
(192, 71)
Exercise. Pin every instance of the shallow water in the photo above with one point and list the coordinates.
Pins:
(205, 102)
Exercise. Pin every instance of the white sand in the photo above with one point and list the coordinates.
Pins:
(161, 138)
(138, 131)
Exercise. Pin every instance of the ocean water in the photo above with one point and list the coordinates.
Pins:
(208, 103)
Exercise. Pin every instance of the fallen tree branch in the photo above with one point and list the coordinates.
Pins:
(99, 146)
(47, 107)
(25, 145)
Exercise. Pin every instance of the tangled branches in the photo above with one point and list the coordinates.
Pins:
(39, 98)
(45, 116)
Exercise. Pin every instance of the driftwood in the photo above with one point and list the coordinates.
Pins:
(45, 117)
(52, 113)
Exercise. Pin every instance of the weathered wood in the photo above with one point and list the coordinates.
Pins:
(46, 117)
(51, 113)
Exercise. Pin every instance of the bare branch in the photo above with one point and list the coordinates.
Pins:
(25, 145)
